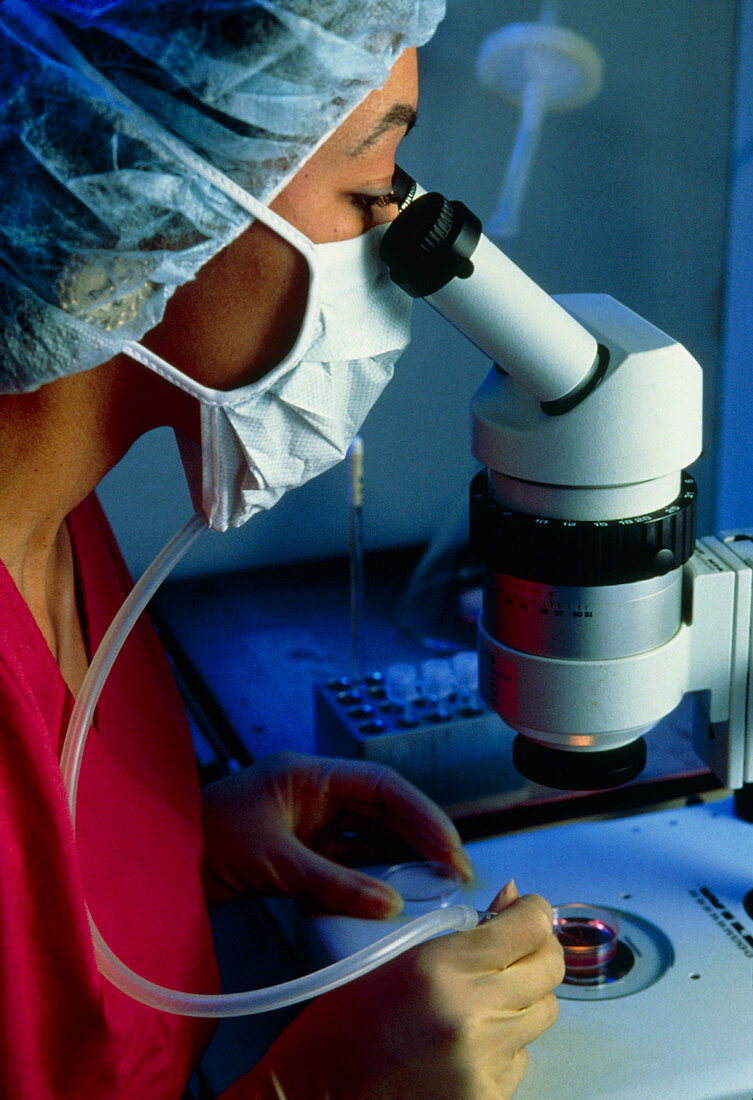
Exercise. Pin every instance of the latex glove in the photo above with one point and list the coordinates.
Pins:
(277, 828)
(449, 1020)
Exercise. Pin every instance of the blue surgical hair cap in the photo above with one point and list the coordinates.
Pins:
(100, 218)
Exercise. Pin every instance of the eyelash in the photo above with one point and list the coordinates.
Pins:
(369, 203)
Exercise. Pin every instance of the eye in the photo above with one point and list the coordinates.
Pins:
(372, 204)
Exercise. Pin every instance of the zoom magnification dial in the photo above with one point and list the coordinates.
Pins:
(582, 553)
(565, 597)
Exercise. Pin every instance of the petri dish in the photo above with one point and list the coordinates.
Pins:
(424, 885)
(589, 939)
(643, 953)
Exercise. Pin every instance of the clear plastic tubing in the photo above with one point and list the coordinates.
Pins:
(450, 918)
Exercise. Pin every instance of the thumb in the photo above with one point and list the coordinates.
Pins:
(507, 896)
(329, 885)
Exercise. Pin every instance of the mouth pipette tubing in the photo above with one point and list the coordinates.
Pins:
(451, 918)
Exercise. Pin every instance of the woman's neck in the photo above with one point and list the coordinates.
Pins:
(56, 444)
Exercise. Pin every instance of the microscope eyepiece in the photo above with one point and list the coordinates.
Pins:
(430, 243)
(404, 187)
(435, 249)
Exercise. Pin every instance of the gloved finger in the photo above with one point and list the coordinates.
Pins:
(516, 1031)
(506, 897)
(511, 1071)
(381, 794)
(521, 929)
(318, 881)
(526, 981)
(509, 895)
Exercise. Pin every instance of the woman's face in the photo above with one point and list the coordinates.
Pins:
(241, 314)
(344, 189)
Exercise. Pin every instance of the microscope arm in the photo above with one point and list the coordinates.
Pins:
(719, 580)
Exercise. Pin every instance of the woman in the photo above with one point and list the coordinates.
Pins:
(141, 288)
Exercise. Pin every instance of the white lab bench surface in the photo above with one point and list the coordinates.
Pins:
(687, 872)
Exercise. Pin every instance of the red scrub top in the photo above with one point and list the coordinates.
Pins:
(65, 1032)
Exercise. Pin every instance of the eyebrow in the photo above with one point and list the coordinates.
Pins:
(399, 115)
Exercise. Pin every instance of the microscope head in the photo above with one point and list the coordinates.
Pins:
(583, 523)
(583, 515)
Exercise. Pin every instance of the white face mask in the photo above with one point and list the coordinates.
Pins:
(260, 440)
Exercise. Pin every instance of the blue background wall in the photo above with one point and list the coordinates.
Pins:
(628, 197)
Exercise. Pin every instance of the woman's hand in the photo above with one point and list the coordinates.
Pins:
(282, 827)
(449, 1020)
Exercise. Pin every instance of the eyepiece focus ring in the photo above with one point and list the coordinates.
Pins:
(430, 243)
